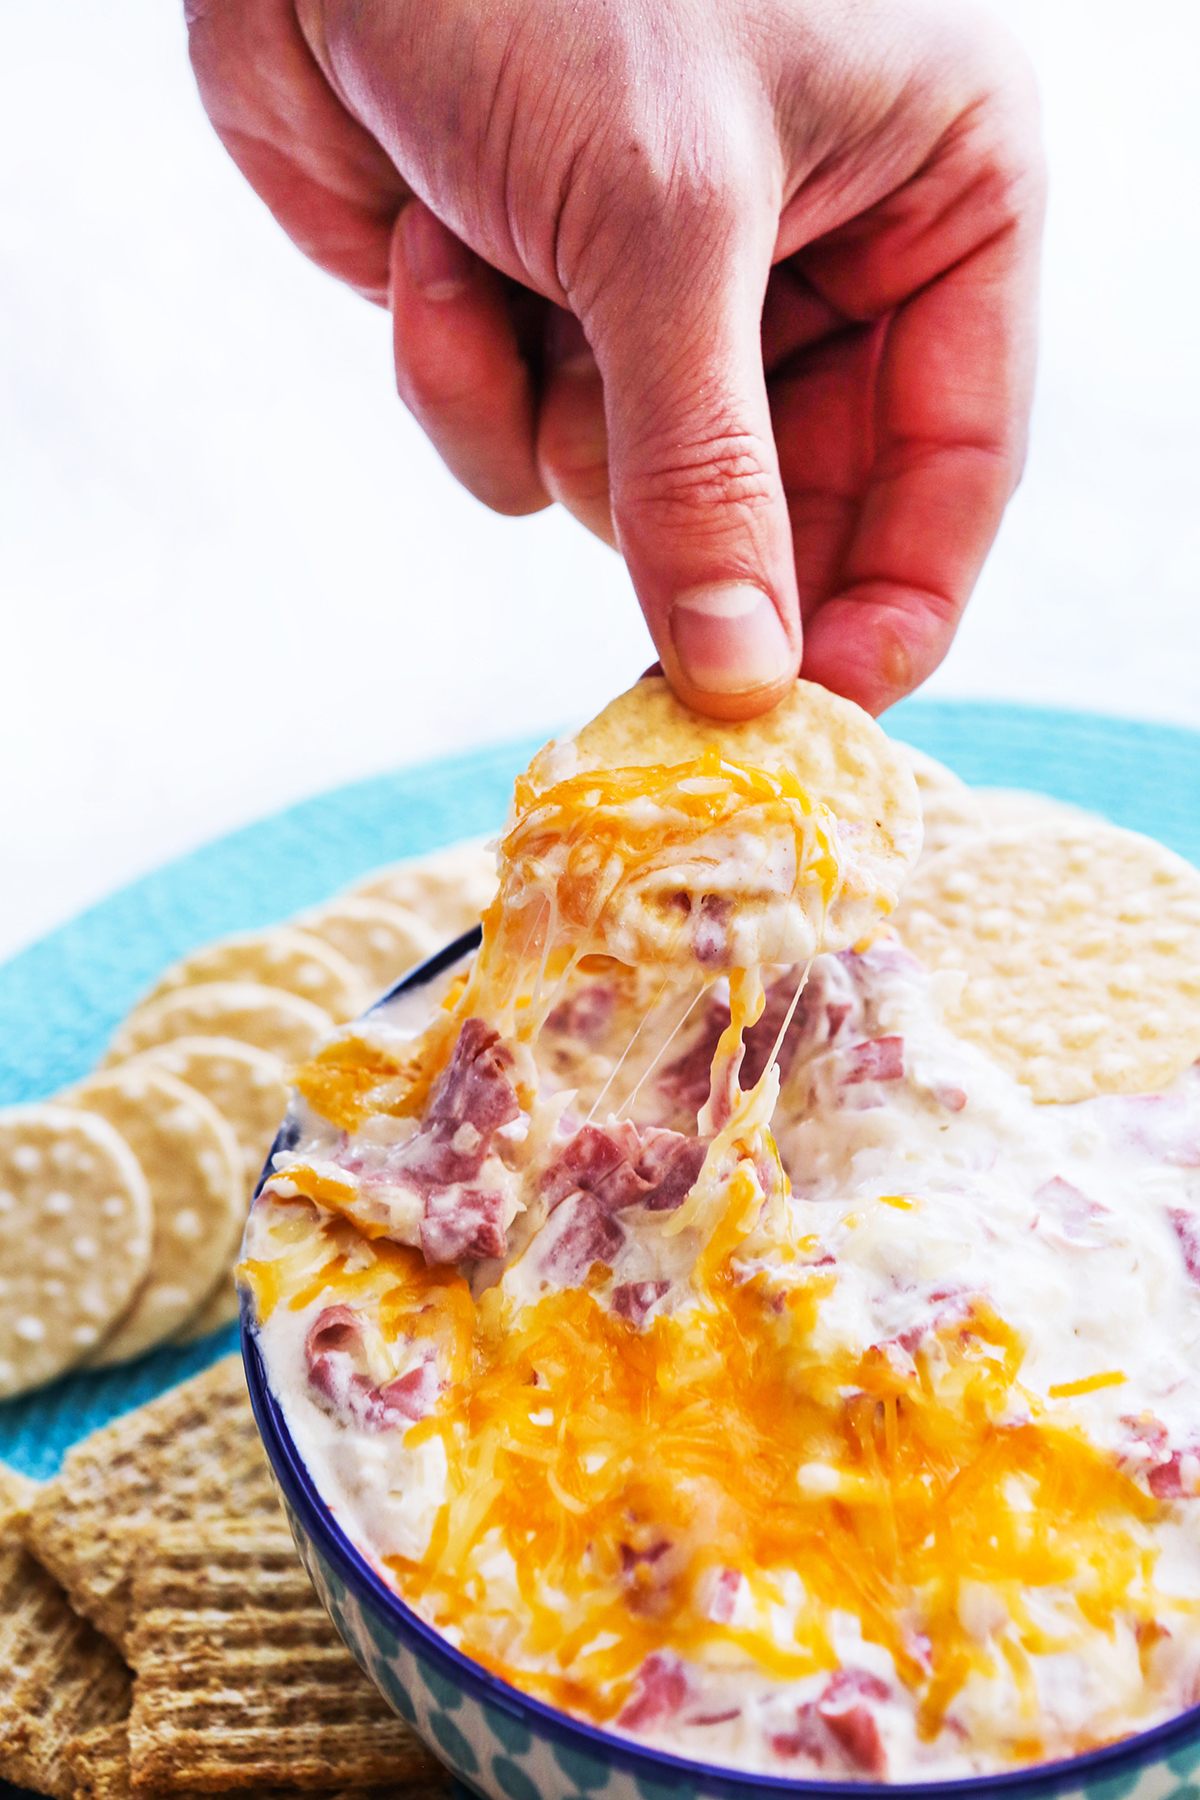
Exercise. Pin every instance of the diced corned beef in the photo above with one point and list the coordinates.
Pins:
(1186, 1226)
(462, 1223)
(336, 1328)
(1170, 1474)
(946, 1305)
(631, 1558)
(334, 1351)
(1149, 1431)
(585, 1015)
(952, 1098)
(810, 1738)
(579, 1232)
(620, 1166)
(816, 1021)
(593, 1154)
(472, 1098)
(710, 931)
(634, 1300)
(1167, 1481)
(875, 1059)
(836, 1014)
(1070, 1211)
(839, 1727)
(685, 1082)
(474, 1087)
(724, 1596)
(845, 1685)
(412, 1394)
(670, 1163)
(857, 1732)
(662, 1688)
(1165, 1126)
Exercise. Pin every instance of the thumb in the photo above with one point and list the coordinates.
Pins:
(697, 499)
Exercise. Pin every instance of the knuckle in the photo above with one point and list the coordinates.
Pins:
(711, 475)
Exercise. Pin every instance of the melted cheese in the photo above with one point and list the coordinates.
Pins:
(575, 1445)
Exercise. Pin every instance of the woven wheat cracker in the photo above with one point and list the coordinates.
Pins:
(245, 1085)
(192, 1162)
(75, 1233)
(242, 1682)
(381, 939)
(100, 1763)
(450, 888)
(193, 1453)
(1081, 946)
(280, 957)
(269, 1018)
(58, 1676)
(17, 1494)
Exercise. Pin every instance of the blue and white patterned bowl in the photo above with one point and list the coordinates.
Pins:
(503, 1744)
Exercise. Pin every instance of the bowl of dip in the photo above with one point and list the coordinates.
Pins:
(511, 1745)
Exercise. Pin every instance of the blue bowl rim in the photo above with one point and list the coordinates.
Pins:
(660, 1767)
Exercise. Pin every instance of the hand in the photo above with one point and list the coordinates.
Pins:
(749, 287)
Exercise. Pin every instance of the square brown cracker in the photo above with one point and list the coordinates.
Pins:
(17, 1494)
(58, 1676)
(243, 1683)
(99, 1762)
(101, 1765)
(193, 1453)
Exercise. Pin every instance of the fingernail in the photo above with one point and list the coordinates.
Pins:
(439, 263)
(729, 639)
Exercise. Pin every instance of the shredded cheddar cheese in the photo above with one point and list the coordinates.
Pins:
(577, 1447)
(728, 1478)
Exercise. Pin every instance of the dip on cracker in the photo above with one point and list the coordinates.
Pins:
(701, 1310)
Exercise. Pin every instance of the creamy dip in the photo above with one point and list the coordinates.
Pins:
(971, 1325)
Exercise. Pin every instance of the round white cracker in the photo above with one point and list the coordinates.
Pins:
(949, 808)
(281, 957)
(1081, 946)
(1017, 809)
(221, 1308)
(273, 1020)
(382, 940)
(840, 757)
(246, 1086)
(450, 889)
(75, 1226)
(193, 1166)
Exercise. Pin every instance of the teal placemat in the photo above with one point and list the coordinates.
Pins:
(61, 999)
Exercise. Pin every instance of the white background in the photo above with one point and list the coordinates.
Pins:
(233, 574)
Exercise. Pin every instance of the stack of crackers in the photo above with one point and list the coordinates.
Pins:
(122, 1202)
(158, 1633)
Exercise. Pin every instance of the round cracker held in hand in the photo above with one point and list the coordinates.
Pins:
(272, 1020)
(383, 941)
(280, 957)
(191, 1160)
(1081, 946)
(741, 882)
(75, 1225)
